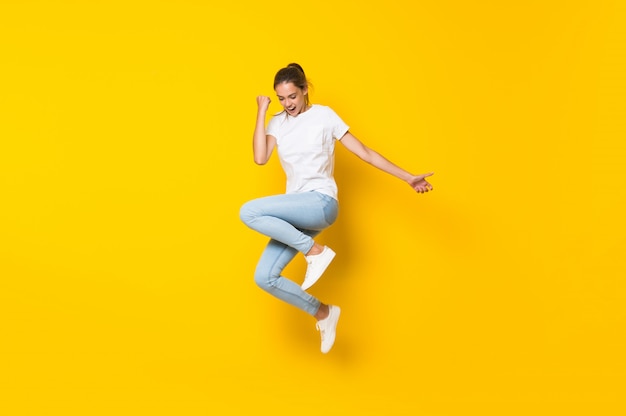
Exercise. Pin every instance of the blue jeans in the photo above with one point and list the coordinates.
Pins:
(291, 221)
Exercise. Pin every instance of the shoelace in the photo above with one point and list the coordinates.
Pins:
(319, 328)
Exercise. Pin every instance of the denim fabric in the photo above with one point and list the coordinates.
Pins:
(291, 221)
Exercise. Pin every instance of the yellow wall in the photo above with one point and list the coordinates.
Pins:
(126, 276)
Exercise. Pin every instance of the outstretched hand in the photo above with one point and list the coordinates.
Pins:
(419, 183)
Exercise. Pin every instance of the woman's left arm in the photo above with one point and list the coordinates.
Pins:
(417, 182)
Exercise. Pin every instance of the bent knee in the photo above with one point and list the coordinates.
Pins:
(247, 213)
(265, 281)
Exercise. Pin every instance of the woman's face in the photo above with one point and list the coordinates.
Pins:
(291, 98)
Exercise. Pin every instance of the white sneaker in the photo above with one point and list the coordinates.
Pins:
(317, 264)
(327, 327)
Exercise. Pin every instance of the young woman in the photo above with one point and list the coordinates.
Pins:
(304, 136)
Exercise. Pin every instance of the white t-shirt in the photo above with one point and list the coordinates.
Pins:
(306, 148)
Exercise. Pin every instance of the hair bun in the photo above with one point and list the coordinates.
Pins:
(295, 65)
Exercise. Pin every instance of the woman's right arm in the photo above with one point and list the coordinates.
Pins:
(262, 144)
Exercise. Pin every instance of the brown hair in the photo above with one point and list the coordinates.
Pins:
(295, 74)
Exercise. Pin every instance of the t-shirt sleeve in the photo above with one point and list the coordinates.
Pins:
(339, 126)
(272, 127)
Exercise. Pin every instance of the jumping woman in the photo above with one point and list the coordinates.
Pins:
(304, 136)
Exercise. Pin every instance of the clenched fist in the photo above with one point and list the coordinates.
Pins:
(263, 102)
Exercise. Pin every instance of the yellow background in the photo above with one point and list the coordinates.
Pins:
(125, 153)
